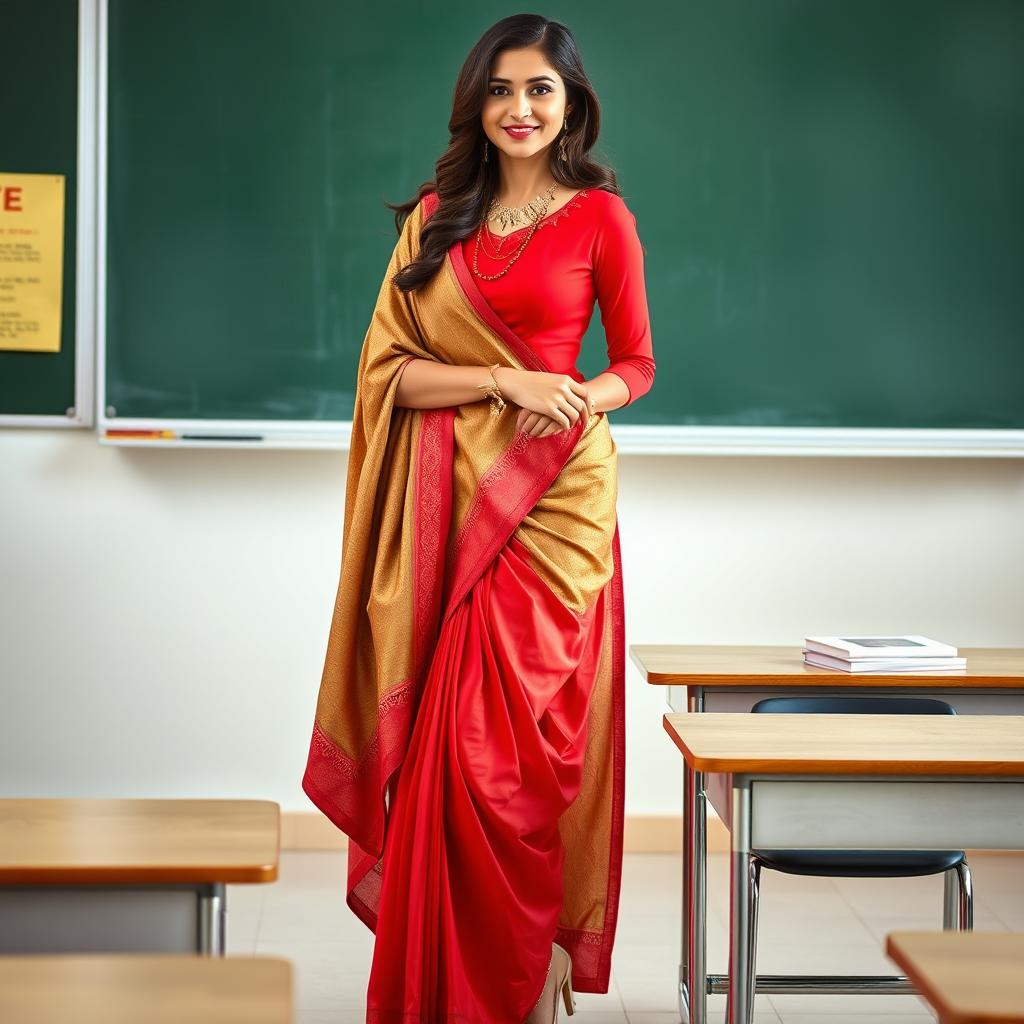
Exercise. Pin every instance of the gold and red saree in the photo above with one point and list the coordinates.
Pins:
(469, 735)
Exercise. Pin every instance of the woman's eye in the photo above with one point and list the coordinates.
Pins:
(494, 91)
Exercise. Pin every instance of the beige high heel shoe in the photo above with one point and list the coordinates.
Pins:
(566, 985)
(561, 965)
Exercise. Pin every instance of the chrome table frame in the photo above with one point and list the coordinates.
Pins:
(829, 812)
(695, 984)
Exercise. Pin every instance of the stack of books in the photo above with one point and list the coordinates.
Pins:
(888, 654)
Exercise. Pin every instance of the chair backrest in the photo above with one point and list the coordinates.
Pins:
(853, 706)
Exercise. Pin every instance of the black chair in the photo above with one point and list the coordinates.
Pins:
(864, 863)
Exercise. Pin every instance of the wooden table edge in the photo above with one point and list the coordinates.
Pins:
(114, 874)
(947, 1014)
(241, 872)
(44, 983)
(737, 765)
(814, 675)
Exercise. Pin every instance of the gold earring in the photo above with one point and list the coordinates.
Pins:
(561, 141)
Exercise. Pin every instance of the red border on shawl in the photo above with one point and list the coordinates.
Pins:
(432, 511)
(432, 516)
(337, 782)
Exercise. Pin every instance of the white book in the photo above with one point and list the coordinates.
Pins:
(854, 646)
(888, 665)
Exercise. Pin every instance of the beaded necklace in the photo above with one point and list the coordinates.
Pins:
(504, 215)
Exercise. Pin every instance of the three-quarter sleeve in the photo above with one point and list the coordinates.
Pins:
(618, 268)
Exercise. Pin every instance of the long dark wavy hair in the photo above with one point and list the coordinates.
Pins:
(464, 183)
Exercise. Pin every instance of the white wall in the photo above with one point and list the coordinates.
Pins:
(163, 614)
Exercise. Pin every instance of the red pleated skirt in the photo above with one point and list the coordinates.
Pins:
(471, 885)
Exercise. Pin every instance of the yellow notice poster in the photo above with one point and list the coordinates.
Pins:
(31, 261)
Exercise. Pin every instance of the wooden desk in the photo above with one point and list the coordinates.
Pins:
(734, 678)
(702, 679)
(867, 782)
(169, 989)
(128, 875)
(967, 977)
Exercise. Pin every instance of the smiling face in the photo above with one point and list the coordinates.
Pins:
(524, 90)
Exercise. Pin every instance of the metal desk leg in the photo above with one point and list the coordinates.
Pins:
(739, 1009)
(683, 982)
(212, 908)
(965, 898)
(692, 962)
(950, 900)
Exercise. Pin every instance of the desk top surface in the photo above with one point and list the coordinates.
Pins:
(692, 665)
(948, 745)
(968, 977)
(70, 842)
(165, 989)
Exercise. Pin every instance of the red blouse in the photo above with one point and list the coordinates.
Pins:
(589, 248)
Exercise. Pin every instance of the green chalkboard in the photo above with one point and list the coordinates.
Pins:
(829, 196)
(39, 135)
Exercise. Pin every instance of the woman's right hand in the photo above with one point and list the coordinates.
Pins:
(556, 395)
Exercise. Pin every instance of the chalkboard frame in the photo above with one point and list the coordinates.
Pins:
(629, 437)
(82, 413)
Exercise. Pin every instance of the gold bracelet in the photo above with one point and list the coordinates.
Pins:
(493, 392)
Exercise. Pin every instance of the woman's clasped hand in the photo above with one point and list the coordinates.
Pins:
(549, 402)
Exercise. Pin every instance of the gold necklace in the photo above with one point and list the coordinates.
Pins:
(509, 216)
(539, 213)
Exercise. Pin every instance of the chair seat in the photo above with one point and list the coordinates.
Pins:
(860, 863)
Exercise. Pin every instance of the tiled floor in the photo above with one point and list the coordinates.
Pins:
(807, 926)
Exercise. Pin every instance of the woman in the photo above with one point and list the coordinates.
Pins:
(469, 733)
